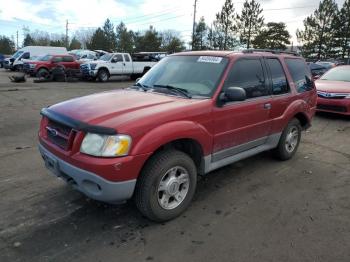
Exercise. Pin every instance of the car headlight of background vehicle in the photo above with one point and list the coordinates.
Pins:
(347, 96)
(105, 145)
(93, 66)
(31, 65)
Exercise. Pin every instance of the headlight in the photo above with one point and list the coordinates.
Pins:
(347, 96)
(31, 65)
(93, 66)
(105, 145)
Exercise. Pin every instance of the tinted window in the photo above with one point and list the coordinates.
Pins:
(279, 79)
(68, 59)
(57, 59)
(248, 74)
(300, 73)
(127, 59)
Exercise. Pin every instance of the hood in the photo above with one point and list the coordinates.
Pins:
(115, 108)
(332, 86)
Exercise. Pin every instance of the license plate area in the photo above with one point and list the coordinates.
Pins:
(51, 164)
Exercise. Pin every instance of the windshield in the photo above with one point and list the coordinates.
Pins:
(338, 74)
(196, 75)
(17, 54)
(106, 57)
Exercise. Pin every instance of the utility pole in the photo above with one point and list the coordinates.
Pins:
(17, 40)
(67, 33)
(194, 21)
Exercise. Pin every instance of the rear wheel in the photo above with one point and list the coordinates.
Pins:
(166, 185)
(103, 75)
(43, 73)
(289, 141)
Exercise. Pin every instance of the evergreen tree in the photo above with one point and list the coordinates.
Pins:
(149, 41)
(99, 41)
(343, 29)
(171, 42)
(28, 40)
(7, 46)
(74, 44)
(223, 34)
(200, 36)
(318, 36)
(250, 22)
(125, 39)
(108, 29)
(274, 36)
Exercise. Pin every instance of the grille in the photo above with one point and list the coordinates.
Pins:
(332, 97)
(60, 135)
(85, 69)
(342, 109)
(26, 67)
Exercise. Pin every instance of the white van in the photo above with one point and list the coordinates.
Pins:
(15, 62)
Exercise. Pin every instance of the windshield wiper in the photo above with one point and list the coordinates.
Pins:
(143, 87)
(179, 90)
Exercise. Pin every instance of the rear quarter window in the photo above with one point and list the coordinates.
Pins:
(300, 73)
(68, 59)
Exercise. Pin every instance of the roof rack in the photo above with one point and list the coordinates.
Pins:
(248, 51)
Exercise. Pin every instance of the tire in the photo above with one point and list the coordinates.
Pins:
(289, 141)
(103, 75)
(43, 73)
(165, 175)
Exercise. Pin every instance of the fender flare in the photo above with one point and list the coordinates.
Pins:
(296, 107)
(168, 132)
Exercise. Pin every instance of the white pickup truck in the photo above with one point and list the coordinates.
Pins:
(112, 64)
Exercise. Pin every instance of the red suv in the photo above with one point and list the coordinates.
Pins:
(43, 65)
(190, 114)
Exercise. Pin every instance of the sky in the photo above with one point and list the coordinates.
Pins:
(138, 15)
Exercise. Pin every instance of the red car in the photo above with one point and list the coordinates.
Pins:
(192, 113)
(333, 90)
(43, 65)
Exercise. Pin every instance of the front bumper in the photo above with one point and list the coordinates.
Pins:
(87, 182)
(339, 106)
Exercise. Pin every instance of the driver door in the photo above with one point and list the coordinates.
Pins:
(242, 125)
(116, 67)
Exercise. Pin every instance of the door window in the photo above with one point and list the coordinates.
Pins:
(57, 59)
(126, 58)
(300, 73)
(249, 75)
(278, 77)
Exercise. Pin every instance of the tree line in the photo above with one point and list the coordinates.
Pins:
(325, 33)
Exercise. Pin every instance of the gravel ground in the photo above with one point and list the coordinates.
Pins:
(258, 209)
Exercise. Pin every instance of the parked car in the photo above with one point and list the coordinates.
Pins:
(192, 113)
(43, 65)
(326, 64)
(333, 90)
(16, 61)
(116, 64)
(2, 59)
(317, 70)
(84, 55)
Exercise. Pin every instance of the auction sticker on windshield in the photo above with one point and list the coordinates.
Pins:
(209, 59)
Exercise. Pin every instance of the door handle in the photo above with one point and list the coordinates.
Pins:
(267, 106)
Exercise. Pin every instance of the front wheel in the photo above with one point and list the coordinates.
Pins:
(166, 185)
(289, 141)
(103, 75)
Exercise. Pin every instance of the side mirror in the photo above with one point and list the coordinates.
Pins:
(234, 94)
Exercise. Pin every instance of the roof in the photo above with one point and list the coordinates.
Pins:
(235, 53)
